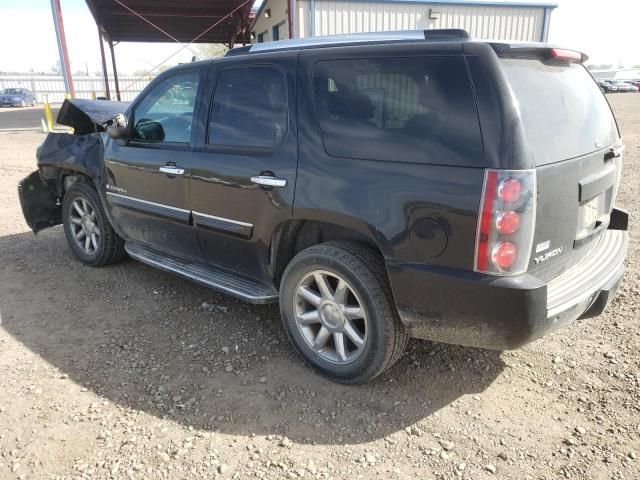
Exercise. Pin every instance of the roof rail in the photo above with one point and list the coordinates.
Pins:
(353, 38)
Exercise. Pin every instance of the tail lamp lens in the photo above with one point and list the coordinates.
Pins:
(506, 222)
(509, 190)
(504, 254)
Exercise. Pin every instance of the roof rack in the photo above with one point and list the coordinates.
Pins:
(353, 38)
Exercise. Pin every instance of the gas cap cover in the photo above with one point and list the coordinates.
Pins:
(428, 238)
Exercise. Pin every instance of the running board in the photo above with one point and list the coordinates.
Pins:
(213, 277)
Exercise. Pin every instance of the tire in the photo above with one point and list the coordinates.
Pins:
(23, 103)
(33, 102)
(104, 245)
(379, 339)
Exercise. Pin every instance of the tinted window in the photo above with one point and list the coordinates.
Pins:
(249, 108)
(166, 113)
(418, 109)
(563, 111)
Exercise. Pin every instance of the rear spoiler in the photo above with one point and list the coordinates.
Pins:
(88, 116)
(540, 51)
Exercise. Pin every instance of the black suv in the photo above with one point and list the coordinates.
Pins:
(379, 186)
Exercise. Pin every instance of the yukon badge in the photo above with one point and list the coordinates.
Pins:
(543, 258)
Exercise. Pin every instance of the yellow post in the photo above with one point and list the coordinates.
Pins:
(48, 115)
(93, 94)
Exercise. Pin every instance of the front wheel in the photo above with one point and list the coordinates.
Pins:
(338, 311)
(87, 228)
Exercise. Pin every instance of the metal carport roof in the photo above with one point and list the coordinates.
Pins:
(184, 20)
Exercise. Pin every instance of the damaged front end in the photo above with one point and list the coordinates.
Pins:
(64, 158)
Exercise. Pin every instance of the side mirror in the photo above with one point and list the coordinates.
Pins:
(147, 129)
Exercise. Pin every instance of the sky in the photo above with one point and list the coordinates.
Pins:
(604, 29)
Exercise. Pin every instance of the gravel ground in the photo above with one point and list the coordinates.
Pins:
(127, 372)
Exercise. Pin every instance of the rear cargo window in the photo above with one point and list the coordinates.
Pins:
(418, 109)
(564, 113)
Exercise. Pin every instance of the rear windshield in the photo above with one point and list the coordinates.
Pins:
(418, 109)
(563, 111)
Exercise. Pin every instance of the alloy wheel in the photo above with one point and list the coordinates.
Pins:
(330, 317)
(84, 226)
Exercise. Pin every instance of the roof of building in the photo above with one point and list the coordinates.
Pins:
(184, 20)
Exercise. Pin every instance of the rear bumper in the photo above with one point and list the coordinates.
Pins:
(506, 312)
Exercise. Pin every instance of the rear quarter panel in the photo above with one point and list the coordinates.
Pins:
(380, 198)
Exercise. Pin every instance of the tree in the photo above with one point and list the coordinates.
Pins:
(210, 50)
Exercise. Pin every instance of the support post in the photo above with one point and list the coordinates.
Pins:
(115, 70)
(312, 18)
(290, 7)
(62, 47)
(105, 72)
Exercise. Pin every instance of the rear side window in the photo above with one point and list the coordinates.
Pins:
(564, 113)
(249, 108)
(418, 109)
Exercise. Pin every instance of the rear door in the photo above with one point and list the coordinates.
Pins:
(244, 168)
(573, 141)
(147, 174)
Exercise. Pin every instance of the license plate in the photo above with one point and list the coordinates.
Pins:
(590, 214)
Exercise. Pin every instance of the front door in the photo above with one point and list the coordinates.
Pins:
(244, 169)
(148, 189)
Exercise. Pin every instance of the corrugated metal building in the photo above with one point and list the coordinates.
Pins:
(526, 20)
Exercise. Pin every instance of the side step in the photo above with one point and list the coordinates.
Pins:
(213, 277)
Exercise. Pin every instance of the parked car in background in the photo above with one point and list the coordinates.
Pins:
(378, 186)
(607, 86)
(17, 97)
(624, 86)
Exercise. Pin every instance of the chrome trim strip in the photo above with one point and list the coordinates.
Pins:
(222, 219)
(162, 205)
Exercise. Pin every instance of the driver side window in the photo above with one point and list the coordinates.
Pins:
(166, 113)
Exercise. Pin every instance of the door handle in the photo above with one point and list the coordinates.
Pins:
(172, 170)
(269, 181)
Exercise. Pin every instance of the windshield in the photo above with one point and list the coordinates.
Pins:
(564, 113)
(9, 91)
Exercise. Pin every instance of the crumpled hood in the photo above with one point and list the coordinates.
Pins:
(89, 116)
(10, 96)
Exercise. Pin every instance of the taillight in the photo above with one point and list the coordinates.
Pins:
(565, 55)
(506, 222)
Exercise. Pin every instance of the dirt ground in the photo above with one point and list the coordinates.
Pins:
(125, 372)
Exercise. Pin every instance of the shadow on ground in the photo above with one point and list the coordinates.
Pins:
(140, 338)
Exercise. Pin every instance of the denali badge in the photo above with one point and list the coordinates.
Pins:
(116, 189)
(548, 255)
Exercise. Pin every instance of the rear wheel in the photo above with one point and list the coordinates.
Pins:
(338, 311)
(88, 231)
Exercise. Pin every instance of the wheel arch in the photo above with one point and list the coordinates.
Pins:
(294, 235)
